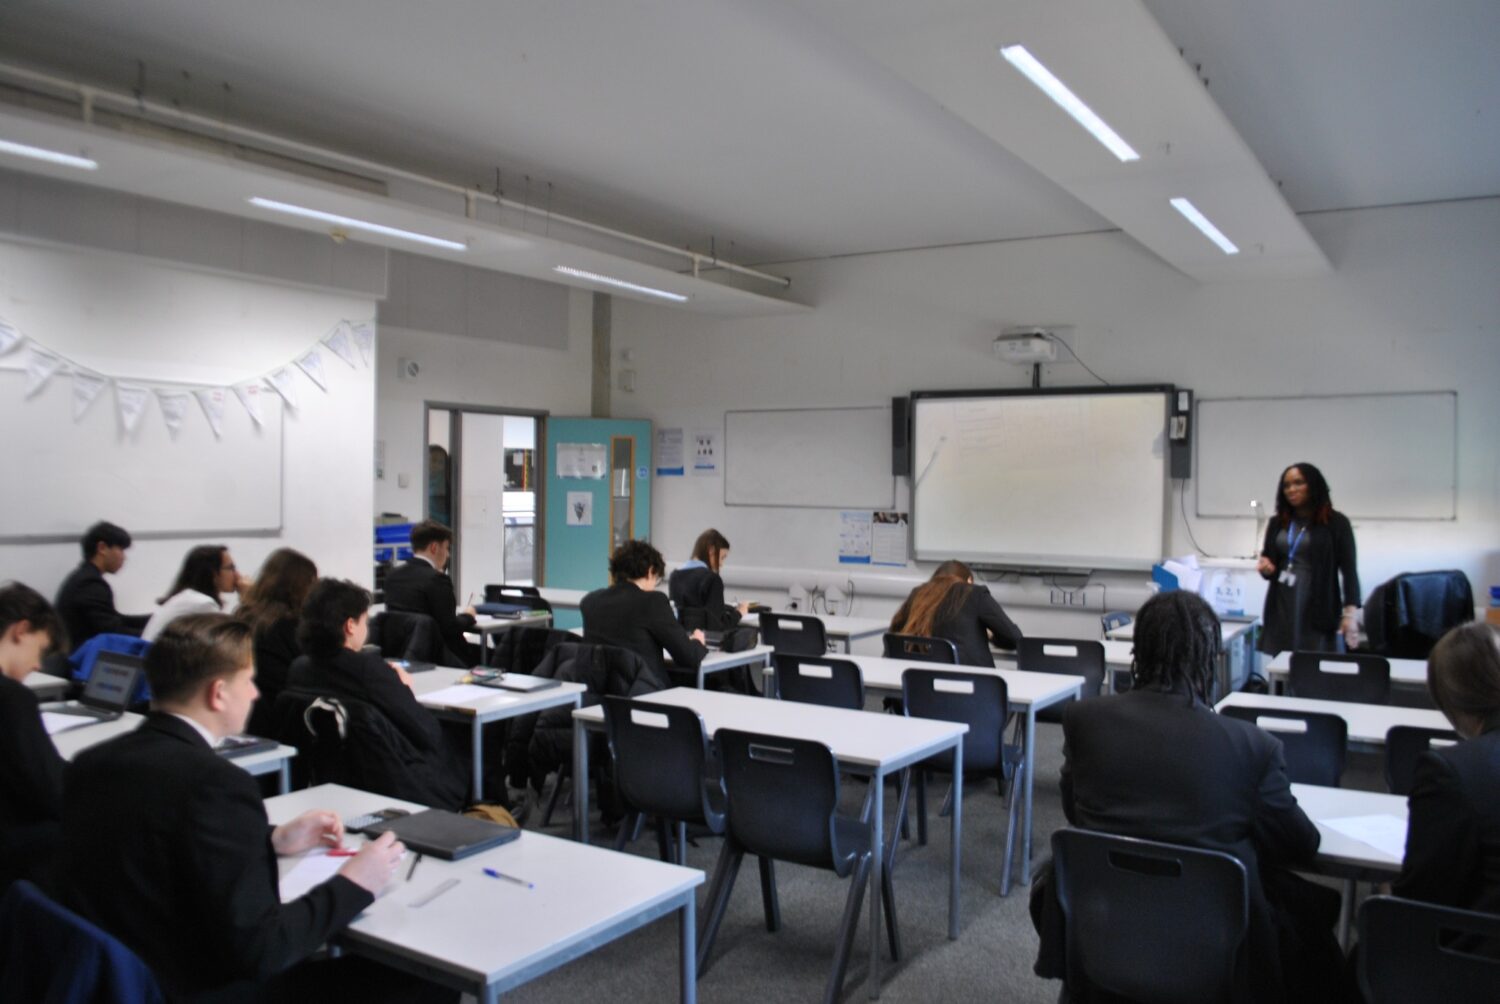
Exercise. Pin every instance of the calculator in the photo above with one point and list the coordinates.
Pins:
(361, 823)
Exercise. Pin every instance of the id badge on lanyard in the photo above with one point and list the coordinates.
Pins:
(1288, 577)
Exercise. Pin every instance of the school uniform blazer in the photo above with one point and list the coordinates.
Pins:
(974, 624)
(702, 588)
(1453, 835)
(1331, 556)
(365, 676)
(31, 783)
(275, 651)
(86, 604)
(166, 846)
(628, 616)
(418, 588)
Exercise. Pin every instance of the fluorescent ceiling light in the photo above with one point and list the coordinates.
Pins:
(579, 273)
(51, 156)
(1069, 102)
(1200, 221)
(353, 224)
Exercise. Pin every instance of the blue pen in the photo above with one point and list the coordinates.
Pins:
(492, 873)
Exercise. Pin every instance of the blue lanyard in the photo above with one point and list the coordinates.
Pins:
(1292, 542)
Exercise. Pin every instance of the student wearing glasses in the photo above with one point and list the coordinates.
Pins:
(206, 574)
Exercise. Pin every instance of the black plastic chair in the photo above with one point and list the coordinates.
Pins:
(783, 797)
(49, 953)
(1366, 679)
(833, 683)
(1403, 745)
(1068, 656)
(794, 634)
(1313, 743)
(1113, 621)
(663, 768)
(919, 648)
(981, 702)
(521, 596)
(1149, 921)
(414, 637)
(1411, 951)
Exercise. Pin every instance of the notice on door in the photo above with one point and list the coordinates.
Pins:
(580, 508)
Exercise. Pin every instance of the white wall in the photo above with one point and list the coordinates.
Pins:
(143, 319)
(1412, 303)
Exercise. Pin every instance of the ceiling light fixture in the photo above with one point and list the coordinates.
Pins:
(347, 221)
(1069, 102)
(1197, 219)
(50, 156)
(579, 273)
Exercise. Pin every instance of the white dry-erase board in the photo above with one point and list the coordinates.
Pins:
(1044, 479)
(61, 476)
(1386, 456)
(819, 458)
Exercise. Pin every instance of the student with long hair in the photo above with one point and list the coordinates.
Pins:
(273, 608)
(949, 605)
(206, 574)
(697, 588)
(1309, 548)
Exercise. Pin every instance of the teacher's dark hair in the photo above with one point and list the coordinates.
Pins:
(1463, 675)
(1317, 495)
(200, 572)
(1177, 641)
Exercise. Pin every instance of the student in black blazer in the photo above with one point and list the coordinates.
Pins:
(31, 772)
(949, 605)
(633, 615)
(85, 601)
(420, 586)
(1159, 764)
(166, 845)
(697, 588)
(272, 607)
(1453, 835)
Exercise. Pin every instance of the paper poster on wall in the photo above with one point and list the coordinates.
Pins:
(706, 452)
(580, 508)
(582, 460)
(669, 453)
(855, 538)
(888, 538)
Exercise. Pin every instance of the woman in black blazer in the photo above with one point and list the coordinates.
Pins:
(950, 605)
(273, 608)
(1309, 547)
(1453, 832)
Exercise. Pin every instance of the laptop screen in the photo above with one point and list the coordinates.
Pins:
(112, 681)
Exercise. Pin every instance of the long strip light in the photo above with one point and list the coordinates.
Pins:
(1069, 102)
(50, 156)
(579, 273)
(1197, 219)
(353, 224)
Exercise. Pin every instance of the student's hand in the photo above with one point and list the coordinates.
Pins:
(375, 863)
(401, 674)
(699, 637)
(743, 606)
(318, 827)
(471, 611)
(1266, 567)
(241, 584)
(1350, 631)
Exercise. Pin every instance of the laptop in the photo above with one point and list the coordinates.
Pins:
(107, 694)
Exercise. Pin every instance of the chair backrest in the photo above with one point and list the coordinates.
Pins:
(1068, 656)
(522, 596)
(1403, 745)
(1340, 676)
(919, 648)
(1114, 620)
(1313, 743)
(1411, 951)
(794, 634)
(660, 753)
(781, 796)
(1406, 615)
(977, 700)
(1150, 921)
(404, 635)
(833, 683)
(49, 953)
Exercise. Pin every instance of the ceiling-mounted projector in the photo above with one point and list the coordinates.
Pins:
(1026, 346)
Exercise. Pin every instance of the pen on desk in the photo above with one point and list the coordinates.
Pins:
(413, 869)
(492, 873)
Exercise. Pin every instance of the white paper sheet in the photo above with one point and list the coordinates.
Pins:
(1385, 833)
(312, 365)
(364, 338)
(54, 722)
(212, 402)
(131, 401)
(339, 344)
(10, 336)
(174, 408)
(40, 365)
(282, 382)
(312, 869)
(86, 387)
(249, 395)
(462, 695)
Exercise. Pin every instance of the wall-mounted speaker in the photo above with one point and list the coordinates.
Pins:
(901, 436)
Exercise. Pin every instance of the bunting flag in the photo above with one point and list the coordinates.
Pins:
(40, 365)
(86, 387)
(212, 402)
(174, 408)
(9, 336)
(338, 342)
(249, 395)
(364, 338)
(283, 382)
(131, 400)
(312, 365)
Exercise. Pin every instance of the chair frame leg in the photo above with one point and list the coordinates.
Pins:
(847, 928)
(921, 807)
(719, 890)
(630, 827)
(768, 895)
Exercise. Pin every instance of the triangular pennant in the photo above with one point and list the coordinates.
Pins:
(249, 395)
(9, 336)
(212, 402)
(338, 341)
(40, 365)
(86, 387)
(131, 400)
(364, 339)
(312, 365)
(174, 406)
(283, 382)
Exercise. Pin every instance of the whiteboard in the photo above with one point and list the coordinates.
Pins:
(62, 476)
(819, 458)
(1065, 480)
(1386, 456)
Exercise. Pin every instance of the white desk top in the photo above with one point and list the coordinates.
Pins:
(1229, 630)
(45, 685)
(1022, 689)
(1322, 804)
(486, 930)
(495, 625)
(496, 704)
(715, 661)
(837, 625)
(878, 741)
(72, 742)
(1409, 671)
(1368, 723)
(568, 599)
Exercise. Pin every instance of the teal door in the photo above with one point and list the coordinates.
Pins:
(598, 497)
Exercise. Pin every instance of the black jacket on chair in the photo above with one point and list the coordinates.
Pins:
(626, 616)
(418, 588)
(31, 784)
(701, 589)
(86, 604)
(167, 847)
(1453, 837)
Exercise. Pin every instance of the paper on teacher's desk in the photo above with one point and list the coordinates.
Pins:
(461, 694)
(1384, 832)
(312, 869)
(1189, 578)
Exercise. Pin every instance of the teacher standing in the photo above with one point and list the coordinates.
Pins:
(1307, 554)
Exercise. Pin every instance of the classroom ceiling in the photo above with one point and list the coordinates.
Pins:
(782, 130)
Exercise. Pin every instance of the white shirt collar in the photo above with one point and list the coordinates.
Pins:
(208, 736)
(424, 557)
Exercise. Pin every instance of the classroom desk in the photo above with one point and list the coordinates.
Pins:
(496, 706)
(863, 742)
(72, 742)
(1343, 856)
(718, 662)
(47, 687)
(563, 599)
(1368, 723)
(486, 937)
(487, 627)
(843, 630)
(1404, 672)
(1026, 692)
(1236, 637)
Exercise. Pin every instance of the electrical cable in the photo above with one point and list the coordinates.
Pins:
(1059, 339)
(1182, 505)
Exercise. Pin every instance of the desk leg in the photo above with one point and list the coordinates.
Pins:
(476, 746)
(1346, 913)
(580, 782)
(877, 863)
(687, 944)
(957, 821)
(286, 776)
(1026, 814)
